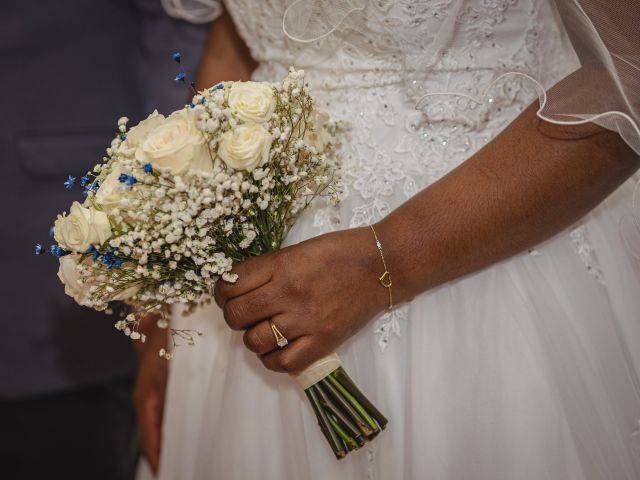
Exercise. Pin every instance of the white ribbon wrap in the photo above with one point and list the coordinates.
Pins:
(317, 371)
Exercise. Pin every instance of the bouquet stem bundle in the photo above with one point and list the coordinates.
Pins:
(346, 417)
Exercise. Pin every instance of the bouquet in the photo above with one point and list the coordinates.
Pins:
(178, 200)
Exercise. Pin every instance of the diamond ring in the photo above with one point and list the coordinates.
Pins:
(281, 340)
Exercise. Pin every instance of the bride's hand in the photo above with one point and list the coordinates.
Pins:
(317, 293)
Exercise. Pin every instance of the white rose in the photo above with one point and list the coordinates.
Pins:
(245, 147)
(319, 136)
(110, 192)
(69, 275)
(252, 101)
(82, 228)
(137, 135)
(176, 145)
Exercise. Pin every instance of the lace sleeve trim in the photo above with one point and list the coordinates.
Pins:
(193, 11)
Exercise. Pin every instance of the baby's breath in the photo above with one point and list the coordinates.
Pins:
(174, 235)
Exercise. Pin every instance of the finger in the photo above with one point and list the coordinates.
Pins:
(246, 310)
(252, 274)
(150, 431)
(293, 358)
(149, 435)
(261, 339)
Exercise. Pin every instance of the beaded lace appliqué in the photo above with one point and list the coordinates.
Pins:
(389, 324)
(583, 247)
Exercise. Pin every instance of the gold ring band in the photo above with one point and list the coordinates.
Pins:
(281, 340)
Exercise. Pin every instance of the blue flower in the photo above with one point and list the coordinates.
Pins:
(191, 104)
(219, 86)
(177, 57)
(84, 180)
(128, 179)
(71, 181)
(107, 261)
(123, 137)
(148, 168)
(88, 188)
(52, 232)
(180, 77)
(111, 261)
(39, 249)
(57, 251)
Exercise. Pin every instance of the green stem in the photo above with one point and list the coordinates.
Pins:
(325, 425)
(343, 378)
(352, 400)
(350, 442)
(339, 414)
(357, 419)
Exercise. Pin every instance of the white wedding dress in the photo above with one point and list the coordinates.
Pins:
(524, 370)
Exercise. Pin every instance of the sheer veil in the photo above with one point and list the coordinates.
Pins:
(606, 89)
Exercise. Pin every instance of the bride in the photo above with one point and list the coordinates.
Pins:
(508, 344)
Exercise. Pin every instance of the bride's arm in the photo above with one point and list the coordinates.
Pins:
(225, 56)
(529, 183)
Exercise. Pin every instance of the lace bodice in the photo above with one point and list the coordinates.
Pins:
(409, 41)
(383, 58)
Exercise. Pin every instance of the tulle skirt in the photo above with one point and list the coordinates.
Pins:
(524, 370)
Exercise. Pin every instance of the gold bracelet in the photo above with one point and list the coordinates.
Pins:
(385, 278)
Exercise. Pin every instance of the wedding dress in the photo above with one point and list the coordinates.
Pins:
(527, 369)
